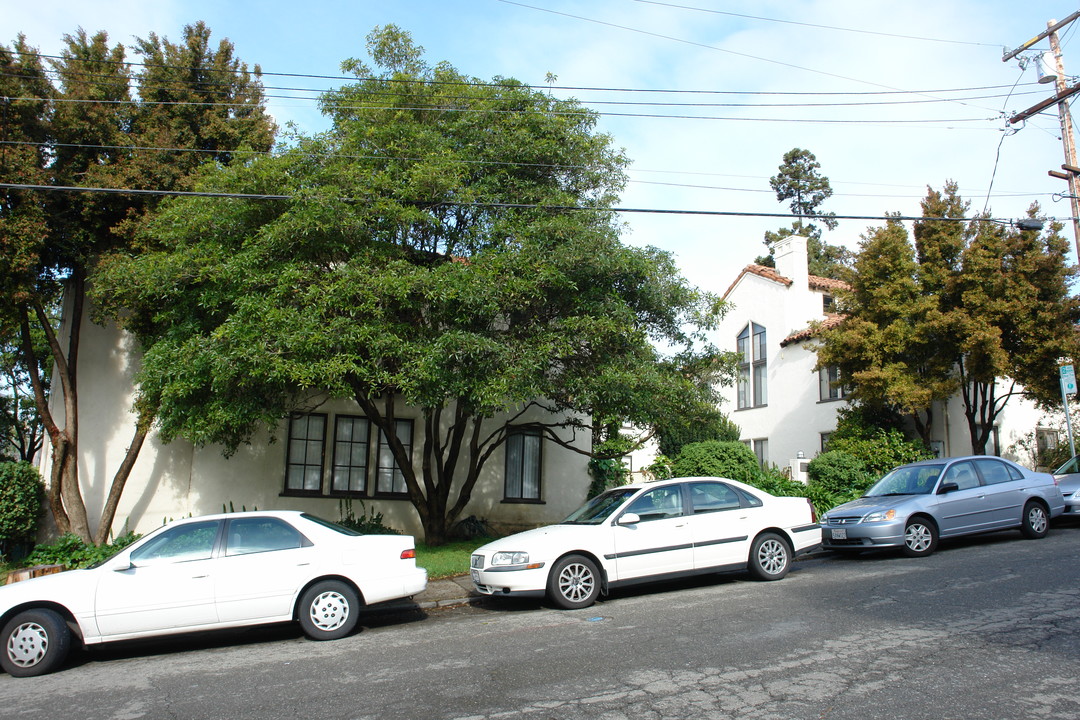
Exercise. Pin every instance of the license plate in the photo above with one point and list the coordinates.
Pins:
(476, 577)
(836, 535)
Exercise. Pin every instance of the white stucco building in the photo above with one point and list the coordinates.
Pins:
(783, 407)
(314, 461)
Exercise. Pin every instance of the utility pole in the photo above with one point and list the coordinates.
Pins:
(1067, 140)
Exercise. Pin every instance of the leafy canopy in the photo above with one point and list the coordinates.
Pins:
(424, 258)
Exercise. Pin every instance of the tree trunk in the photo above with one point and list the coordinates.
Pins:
(108, 513)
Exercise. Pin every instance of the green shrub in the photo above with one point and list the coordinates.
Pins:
(72, 552)
(367, 524)
(714, 458)
(673, 437)
(775, 482)
(606, 473)
(881, 451)
(21, 491)
(839, 472)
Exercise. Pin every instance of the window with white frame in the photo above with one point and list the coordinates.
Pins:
(304, 465)
(390, 480)
(752, 382)
(524, 452)
(829, 385)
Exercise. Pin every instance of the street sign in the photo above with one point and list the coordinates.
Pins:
(1068, 379)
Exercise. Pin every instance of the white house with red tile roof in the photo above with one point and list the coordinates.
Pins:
(785, 408)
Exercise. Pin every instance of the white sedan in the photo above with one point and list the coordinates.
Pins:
(205, 573)
(648, 532)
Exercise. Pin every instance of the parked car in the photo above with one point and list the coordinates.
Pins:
(204, 573)
(648, 532)
(1068, 477)
(915, 505)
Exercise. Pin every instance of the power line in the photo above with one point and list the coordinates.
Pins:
(496, 111)
(507, 205)
(813, 25)
(588, 88)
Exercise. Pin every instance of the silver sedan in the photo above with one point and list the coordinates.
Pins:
(1068, 477)
(915, 505)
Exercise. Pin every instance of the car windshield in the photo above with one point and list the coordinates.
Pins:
(600, 508)
(907, 480)
(1069, 467)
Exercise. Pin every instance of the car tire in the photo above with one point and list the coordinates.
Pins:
(328, 610)
(770, 557)
(920, 537)
(574, 582)
(1035, 522)
(35, 642)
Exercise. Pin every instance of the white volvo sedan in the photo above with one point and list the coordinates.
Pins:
(648, 532)
(205, 573)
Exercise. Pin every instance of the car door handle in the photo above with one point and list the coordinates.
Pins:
(199, 577)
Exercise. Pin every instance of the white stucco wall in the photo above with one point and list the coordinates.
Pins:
(177, 479)
(795, 416)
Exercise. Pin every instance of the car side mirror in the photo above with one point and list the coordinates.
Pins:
(629, 519)
(947, 487)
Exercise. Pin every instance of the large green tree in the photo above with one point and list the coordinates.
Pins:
(799, 183)
(448, 245)
(972, 306)
(75, 122)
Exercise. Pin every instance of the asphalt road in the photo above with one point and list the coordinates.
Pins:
(986, 628)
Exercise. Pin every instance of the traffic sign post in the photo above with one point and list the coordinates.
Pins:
(1067, 377)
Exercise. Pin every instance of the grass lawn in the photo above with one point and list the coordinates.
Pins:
(447, 560)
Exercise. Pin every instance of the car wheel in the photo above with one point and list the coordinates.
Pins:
(328, 610)
(920, 537)
(1035, 523)
(35, 642)
(770, 557)
(574, 582)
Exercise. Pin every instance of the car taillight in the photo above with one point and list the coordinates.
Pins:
(409, 554)
(813, 511)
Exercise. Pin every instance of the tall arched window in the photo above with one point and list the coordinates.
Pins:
(753, 387)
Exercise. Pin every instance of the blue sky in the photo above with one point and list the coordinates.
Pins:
(853, 55)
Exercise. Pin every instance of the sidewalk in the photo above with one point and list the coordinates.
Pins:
(445, 592)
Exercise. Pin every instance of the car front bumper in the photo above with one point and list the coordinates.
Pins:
(511, 581)
(862, 536)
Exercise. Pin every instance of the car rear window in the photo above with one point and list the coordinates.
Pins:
(332, 525)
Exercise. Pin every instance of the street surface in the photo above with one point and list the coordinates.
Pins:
(987, 628)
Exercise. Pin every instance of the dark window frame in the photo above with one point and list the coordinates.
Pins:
(334, 460)
(511, 434)
(307, 439)
(394, 469)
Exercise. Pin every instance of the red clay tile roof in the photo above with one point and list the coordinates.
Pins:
(807, 333)
(814, 281)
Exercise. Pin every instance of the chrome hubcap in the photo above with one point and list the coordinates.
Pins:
(329, 611)
(772, 556)
(27, 645)
(918, 537)
(576, 582)
(1037, 519)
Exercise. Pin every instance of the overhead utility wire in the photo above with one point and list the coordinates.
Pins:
(589, 103)
(508, 206)
(352, 78)
(813, 25)
(539, 112)
(504, 163)
(778, 93)
(701, 45)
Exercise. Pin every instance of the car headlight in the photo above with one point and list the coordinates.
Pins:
(510, 558)
(823, 520)
(880, 516)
